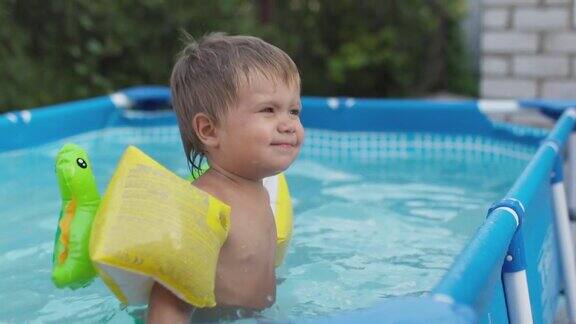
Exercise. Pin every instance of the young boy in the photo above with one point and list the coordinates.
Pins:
(237, 100)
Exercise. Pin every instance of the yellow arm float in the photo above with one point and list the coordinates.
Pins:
(154, 226)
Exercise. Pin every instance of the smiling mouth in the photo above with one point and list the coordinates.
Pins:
(283, 145)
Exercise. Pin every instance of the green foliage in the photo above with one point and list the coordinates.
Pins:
(54, 51)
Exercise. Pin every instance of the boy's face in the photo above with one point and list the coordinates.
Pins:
(262, 135)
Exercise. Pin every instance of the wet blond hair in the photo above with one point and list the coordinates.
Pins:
(208, 75)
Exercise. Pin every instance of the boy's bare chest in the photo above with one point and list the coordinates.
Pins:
(246, 272)
(252, 232)
(245, 275)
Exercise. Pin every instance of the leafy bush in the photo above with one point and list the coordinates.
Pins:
(54, 51)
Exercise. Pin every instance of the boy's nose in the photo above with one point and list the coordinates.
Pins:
(286, 127)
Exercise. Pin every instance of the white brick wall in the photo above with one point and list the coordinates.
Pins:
(559, 89)
(509, 2)
(533, 19)
(509, 42)
(540, 66)
(564, 42)
(557, 1)
(496, 18)
(495, 65)
(509, 88)
(528, 49)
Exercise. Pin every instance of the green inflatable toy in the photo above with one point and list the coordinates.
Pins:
(72, 267)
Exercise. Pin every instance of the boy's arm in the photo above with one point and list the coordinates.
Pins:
(165, 307)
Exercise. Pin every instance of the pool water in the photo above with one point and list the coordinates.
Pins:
(363, 230)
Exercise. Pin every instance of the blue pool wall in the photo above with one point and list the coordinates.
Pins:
(474, 272)
(26, 128)
(473, 285)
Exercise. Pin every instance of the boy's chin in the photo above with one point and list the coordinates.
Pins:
(268, 169)
(273, 172)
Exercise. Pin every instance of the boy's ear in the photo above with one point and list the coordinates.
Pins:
(205, 129)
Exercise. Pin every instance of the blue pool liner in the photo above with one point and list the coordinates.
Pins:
(34, 127)
(472, 290)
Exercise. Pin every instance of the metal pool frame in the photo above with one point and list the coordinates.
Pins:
(512, 270)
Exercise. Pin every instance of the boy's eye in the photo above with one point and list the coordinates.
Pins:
(267, 110)
(295, 112)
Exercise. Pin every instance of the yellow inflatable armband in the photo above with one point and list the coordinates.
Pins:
(281, 205)
(155, 226)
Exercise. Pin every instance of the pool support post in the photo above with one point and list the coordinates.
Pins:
(571, 179)
(514, 277)
(564, 237)
(562, 134)
(472, 279)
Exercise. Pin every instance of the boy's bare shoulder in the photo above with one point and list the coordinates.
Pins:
(214, 186)
(241, 197)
